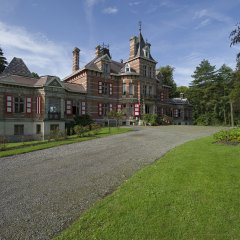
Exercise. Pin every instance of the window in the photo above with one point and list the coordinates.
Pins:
(175, 112)
(28, 105)
(136, 109)
(54, 127)
(54, 105)
(146, 52)
(147, 109)
(110, 107)
(105, 68)
(119, 107)
(105, 88)
(150, 72)
(110, 89)
(131, 88)
(127, 68)
(9, 104)
(83, 108)
(100, 87)
(18, 129)
(144, 90)
(105, 108)
(144, 70)
(69, 107)
(19, 104)
(38, 128)
(150, 91)
(161, 96)
(124, 90)
(100, 109)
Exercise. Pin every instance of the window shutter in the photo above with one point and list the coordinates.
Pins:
(100, 109)
(28, 105)
(110, 107)
(83, 108)
(9, 104)
(110, 89)
(119, 107)
(100, 87)
(136, 109)
(69, 107)
(38, 105)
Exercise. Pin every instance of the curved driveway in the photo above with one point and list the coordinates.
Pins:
(42, 192)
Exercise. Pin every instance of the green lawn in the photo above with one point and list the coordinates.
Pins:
(193, 192)
(24, 147)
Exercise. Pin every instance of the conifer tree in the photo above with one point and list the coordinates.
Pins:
(3, 61)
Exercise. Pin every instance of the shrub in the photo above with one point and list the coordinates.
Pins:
(231, 136)
(81, 130)
(84, 120)
(3, 143)
(95, 128)
(57, 135)
(150, 119)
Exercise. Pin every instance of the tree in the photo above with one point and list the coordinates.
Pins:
(35, 75)
(166, 75)
(201, 93)
(235, 35)
(182, 89)
(3, 61)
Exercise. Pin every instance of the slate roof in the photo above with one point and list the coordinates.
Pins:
(180, 101)
(140, 45)
(18, 74)
(17, 67)
(115, 67)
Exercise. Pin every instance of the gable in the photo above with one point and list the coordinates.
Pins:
(54, 83)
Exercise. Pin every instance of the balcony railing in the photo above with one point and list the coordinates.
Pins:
(54, 115)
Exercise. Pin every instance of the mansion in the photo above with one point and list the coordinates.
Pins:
(32, 107)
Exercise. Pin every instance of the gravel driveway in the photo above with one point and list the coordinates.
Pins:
(44, 191)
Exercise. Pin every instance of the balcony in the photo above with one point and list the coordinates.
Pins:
(54, 115)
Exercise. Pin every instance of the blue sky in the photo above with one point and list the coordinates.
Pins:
(182, 32)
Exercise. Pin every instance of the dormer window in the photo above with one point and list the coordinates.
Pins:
(127, 68)
(106, 69)
(146, 51)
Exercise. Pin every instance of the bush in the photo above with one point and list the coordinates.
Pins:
(81, 130)
(84, 120)
(151, 119)
(95, 128)
(231, 136)
(3, 143)
(57, 135)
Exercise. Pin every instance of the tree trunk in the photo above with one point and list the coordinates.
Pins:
(231, 107)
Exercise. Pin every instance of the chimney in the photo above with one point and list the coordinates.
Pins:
(98, 51)
(75, 65)
(182, 95)
(133, 45)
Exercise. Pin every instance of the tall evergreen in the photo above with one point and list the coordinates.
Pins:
(3, 61)
(166, 75)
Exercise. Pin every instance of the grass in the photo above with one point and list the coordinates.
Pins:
(24, 147)
(190, 193)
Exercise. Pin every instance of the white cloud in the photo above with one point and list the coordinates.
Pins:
(91, 3)
(203, 23)
(131, 4)
(40, 54)
(110, 10)
(200, 13)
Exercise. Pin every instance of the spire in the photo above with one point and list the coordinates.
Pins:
(140, 39)
(140, 26)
